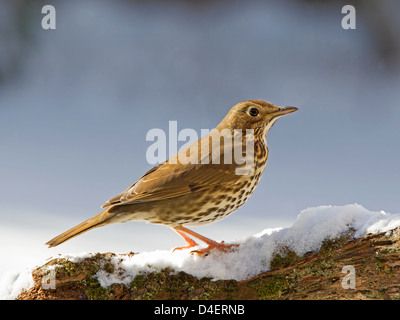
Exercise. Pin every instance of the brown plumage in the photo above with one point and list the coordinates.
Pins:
(201, 184)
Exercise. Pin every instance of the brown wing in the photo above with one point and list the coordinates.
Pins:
(167, 181)
(171, 179)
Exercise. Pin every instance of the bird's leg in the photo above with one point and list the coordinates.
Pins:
(211, 243)
(190, 241)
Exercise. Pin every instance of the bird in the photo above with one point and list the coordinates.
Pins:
(199, 185)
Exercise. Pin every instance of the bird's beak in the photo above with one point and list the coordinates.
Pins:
(283, 111)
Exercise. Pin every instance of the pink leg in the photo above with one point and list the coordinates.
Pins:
(190, 241)
(211, 243)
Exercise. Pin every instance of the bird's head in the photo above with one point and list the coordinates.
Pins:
(258, 115)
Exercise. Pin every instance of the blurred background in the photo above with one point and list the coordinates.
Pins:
(76, 104)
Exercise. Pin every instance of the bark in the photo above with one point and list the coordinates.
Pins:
(316, 275)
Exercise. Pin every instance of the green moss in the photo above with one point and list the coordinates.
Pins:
(94, 291)
(375, 295)
(108, 267)
(323, 267)
(283, 258)
(147, 286)
(66, 267)
(382, 265)
(87, 268)
(380, 261)
(270, 288)
(165, 284)
(138, 282)
(331, 244)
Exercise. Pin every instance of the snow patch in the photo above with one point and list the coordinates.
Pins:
(252, 257)
(13, 281)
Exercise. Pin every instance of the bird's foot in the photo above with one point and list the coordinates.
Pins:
(224, 247)
(190, 241)
(190, 245)
(221, 246)
(183, 248)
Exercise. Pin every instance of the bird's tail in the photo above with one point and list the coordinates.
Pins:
(97, 221)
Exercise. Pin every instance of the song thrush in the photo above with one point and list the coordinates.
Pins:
(202, 183)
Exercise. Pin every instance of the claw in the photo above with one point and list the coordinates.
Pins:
(191, 243)
(220, 246)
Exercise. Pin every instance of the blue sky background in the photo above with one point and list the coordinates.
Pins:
(76, 104)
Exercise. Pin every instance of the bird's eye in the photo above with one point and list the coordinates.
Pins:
(254, 112)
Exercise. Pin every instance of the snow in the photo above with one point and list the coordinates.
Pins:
(252, 257)
(13, 281)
